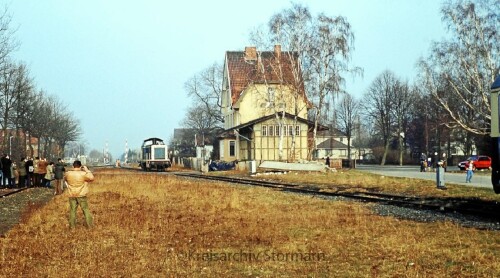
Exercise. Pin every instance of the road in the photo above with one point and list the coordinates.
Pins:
(478, 180)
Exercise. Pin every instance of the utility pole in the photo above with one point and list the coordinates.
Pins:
(126, 151)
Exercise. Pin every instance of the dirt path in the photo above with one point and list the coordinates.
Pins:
(13, 206)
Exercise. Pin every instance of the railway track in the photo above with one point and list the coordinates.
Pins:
(12, 192)
(480, 208)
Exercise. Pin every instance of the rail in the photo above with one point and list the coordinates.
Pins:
(476, 207)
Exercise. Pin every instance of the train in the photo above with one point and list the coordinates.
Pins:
(154, 155)
(495, 135)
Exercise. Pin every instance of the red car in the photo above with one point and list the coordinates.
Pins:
(478, 162)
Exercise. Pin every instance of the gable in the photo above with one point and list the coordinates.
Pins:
(332, 144)
(244, 68)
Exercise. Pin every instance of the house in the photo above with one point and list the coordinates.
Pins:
(186, 142)
(332, 143)
(264, 107)
(18, 143)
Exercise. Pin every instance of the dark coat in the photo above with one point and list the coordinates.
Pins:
(6, 163)
(59, 170)
(28, 164)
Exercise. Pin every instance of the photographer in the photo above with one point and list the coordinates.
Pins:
(77, 180)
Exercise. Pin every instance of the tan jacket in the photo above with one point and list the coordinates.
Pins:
(77, 181)
(49, 175)
(42, 167)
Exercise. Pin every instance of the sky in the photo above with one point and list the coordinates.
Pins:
(121, 66)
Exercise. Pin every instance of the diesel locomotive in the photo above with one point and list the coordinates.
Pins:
(154, 155)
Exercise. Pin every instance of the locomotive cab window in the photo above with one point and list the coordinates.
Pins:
(159, 153)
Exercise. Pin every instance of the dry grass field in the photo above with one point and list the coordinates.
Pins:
(149, 225)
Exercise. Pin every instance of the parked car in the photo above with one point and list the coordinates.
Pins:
(478, 162)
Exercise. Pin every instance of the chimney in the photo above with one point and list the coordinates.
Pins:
(250, 53)
(277, 51)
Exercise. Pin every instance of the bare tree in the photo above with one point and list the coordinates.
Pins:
(202, 122)
(7, 40)
(403, 99)
(378, 106)
(466, 64)
(287, 30)
(205, 88)
(62, 128)
(329, 54)
(347, 113)
(320, 49)
(13, 84)
(23, 93)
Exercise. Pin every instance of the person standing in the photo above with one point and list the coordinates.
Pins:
(42, 170)
(30, 169)
(77, 180)
(22, 172)
(59, 175)
(423, 162)
(14, 175)
(6, 172)
(327, 161)
(36, 175)
(49, 176)
(470, 172)
(440, 175)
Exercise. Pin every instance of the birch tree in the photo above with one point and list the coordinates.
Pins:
(287, 30)
(329, 53)
(467, 62)
(323, 47)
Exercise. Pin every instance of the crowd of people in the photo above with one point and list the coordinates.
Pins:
(428, 163)
(32, 172)
(39, 172)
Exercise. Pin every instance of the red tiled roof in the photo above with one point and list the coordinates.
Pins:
(243, 71)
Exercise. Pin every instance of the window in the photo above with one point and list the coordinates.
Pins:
(271, 130)
(343, 152)
(232, 148)
(297, 130)
(277, 130)
(264, 130)
(290, 130)
(285, 130)
(159, 153)
(270, 95)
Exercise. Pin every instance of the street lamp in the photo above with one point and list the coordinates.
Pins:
(10, 145)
